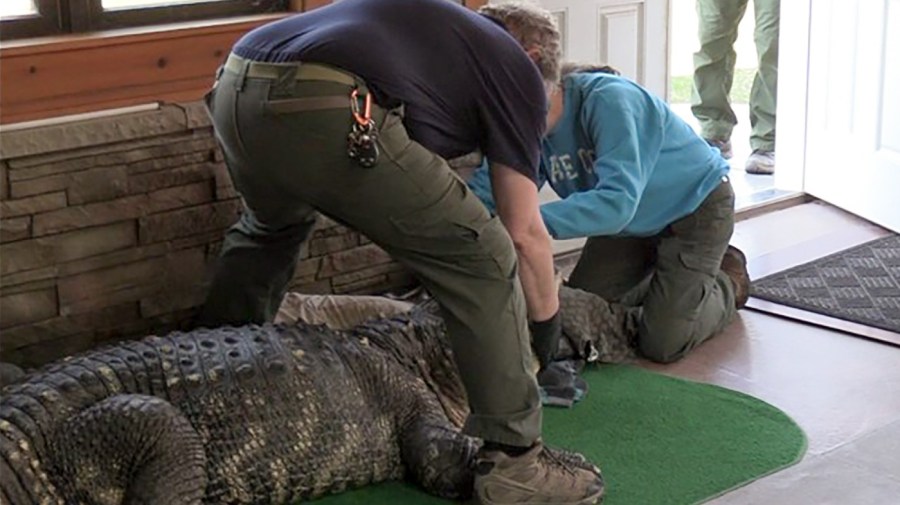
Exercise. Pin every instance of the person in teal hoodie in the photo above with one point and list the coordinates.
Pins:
(655, 203)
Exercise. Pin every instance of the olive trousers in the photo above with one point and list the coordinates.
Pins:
(283, 129)
(666, 293)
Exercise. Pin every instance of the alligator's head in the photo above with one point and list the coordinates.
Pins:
(418, 340)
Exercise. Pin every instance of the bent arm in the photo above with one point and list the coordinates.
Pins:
(627, 135)
(516, 200)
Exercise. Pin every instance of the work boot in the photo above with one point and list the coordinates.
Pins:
(734, 264)
(536, 477)
(761, 162)
(723, 145)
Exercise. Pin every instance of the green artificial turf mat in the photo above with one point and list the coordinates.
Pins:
(659, 440)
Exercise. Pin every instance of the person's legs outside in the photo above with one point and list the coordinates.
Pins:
(714, 70)
(411, 204)
(763, 94)
(690, 298)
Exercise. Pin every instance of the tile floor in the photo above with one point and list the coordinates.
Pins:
(842, 390)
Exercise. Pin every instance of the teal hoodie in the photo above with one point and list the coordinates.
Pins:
(621, 161)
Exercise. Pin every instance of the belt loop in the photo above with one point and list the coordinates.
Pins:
(242, 76)
(285, 80)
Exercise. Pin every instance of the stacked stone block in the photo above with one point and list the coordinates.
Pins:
(109, 228)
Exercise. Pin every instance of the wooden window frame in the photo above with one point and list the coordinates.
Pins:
(82, 16)
(65, 75)
(48, 21)
(89, 15)
(62, 75)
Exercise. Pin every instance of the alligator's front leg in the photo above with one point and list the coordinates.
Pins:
(134, 450)
(438, 456)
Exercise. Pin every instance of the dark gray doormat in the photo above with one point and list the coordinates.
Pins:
(860, 284)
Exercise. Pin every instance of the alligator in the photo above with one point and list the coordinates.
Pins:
(272, 413)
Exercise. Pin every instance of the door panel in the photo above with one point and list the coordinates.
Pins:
(615, 26)
(630, 35)
(890, 91)
(853, 114)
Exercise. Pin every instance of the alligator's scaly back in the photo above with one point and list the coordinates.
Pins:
(257, 414)
(423, 348)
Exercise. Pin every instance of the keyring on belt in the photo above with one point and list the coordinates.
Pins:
(364, 119)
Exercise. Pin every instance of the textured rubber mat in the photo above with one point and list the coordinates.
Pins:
(861, 284)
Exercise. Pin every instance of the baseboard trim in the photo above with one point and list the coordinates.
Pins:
(822, 321)
(771, 205)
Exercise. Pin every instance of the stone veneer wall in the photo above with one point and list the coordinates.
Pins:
(110, 226)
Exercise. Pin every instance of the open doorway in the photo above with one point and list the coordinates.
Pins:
(751, 190)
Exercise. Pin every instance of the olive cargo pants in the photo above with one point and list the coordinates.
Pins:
(285, 143)
(669, 286)
(714, 69)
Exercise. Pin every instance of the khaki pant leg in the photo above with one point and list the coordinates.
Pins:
(690, 299)
(764, 93)
(260, 252)
(714, 66)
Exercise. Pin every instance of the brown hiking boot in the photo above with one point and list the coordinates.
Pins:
(537, 477)
(734, 263)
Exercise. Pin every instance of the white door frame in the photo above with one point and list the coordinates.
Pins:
(793, 83)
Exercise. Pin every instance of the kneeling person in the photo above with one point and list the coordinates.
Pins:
(657, 207)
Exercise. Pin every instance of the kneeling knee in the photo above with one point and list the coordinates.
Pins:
(667, 349)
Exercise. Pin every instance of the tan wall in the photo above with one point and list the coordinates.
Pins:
(109, 227)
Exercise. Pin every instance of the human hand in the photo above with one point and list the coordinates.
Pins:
(545, 338)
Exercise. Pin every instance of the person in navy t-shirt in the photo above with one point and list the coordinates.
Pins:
(352, 110)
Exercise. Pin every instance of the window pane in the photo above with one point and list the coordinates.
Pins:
(16, 8)
(138, 4)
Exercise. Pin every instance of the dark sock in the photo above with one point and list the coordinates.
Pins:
(509, 450)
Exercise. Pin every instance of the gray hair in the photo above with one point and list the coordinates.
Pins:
(534, 28)
(571, 67)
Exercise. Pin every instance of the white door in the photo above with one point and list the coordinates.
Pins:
(852, 148)
(630, 35)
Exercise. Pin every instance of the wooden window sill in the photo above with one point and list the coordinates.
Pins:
(61, 75)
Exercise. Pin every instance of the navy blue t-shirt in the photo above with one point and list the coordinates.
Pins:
(465, 83)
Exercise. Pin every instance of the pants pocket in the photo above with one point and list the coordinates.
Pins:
(458, 231)
(306, 104)
(447, 217)
(703, 263)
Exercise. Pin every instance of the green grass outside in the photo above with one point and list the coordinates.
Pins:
(681, 87)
